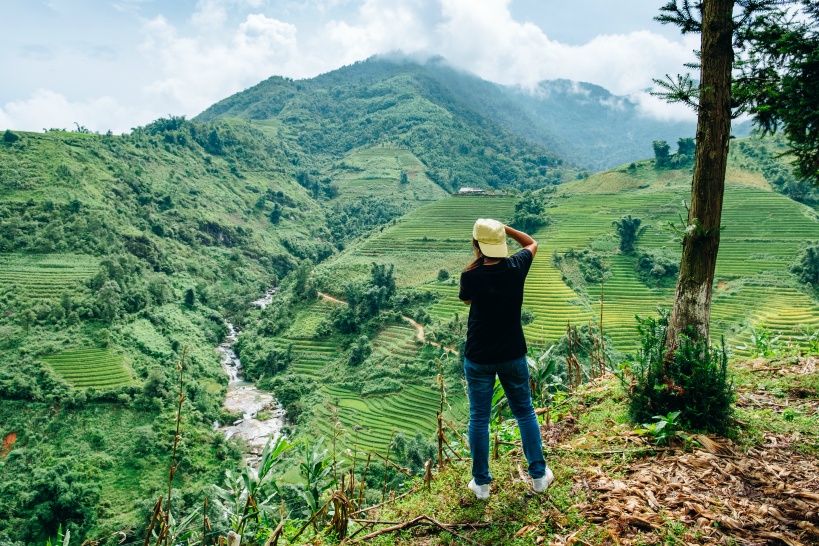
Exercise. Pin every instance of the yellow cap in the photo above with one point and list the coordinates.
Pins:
(491, 237)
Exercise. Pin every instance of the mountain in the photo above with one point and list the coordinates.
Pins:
(579, 122)
(395, 104)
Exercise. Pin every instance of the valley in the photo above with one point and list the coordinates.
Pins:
(125, 261)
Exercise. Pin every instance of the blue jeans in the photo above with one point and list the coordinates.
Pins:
(514, 376)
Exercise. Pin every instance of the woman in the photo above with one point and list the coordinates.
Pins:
(493, 287)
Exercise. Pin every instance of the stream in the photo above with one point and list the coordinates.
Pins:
(243, 396)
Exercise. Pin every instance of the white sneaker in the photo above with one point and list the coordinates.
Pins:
(481, 491)
(542, 484)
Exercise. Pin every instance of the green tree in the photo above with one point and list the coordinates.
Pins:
(360, 350)
(303, 287)
(806, 267)
(755, 30)
(190, 298)
(404, 177)
(108, 300)
(214, 143)
(530, 212)
(381, 276)
(9, 137)
(686, 147)
(628, 229)
(779, 76)
(661, 153)
(27, 318)
(276, 214)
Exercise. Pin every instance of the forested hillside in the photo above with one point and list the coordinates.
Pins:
(378, 99)
(403, 104)
(121, 256)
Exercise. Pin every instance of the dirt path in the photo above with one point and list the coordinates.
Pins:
(419, 328)
(8, 443)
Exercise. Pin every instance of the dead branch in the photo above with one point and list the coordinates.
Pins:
(420, 520)
(413, 490)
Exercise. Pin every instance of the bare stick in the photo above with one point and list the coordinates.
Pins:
(386, 466)
(273, 539)
(401, 469)
(452, 450)
(154, 516)
(205, 521)
(310, 521)
(363, 481)
(467, 525)
(602, 343)
(453, 429)
(176, 438)
(412, 523)
(413, 490)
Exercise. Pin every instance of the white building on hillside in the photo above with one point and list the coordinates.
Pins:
(471, 191)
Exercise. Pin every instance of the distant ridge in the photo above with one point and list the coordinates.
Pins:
(580, 122)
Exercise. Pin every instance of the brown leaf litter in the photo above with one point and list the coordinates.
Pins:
(767, 496)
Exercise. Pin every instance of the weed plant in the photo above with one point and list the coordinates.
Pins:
(693, 381)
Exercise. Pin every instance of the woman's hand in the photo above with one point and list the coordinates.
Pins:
(522, 239)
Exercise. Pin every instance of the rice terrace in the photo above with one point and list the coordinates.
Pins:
(242, 325)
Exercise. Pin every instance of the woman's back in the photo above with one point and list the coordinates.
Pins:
(494, 332)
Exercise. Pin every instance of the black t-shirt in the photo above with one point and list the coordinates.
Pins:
(494, 332)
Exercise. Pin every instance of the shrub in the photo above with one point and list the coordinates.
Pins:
(581, 267)
(806, 267)
(360, 350)
(694, 381)
(443, 274)
(530, 212)
(658, 268)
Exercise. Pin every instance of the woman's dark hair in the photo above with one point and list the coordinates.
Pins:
(477, 262)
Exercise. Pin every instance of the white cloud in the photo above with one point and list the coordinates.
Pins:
(199, 70)
(383, 25)
(47, 109)
(484, 38)
(182, 67)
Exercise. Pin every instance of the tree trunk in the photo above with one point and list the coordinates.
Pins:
(692, 303)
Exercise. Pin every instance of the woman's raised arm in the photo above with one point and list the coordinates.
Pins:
(522, 239)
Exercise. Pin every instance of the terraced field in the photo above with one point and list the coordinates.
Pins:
(99, 368)
(398, 343)
(310, 355)
(411, 410)
(44, 276)
(432, 237)
(376, 172)
(762, 235)
(369, 422)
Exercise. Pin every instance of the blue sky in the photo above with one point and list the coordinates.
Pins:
(116, 64)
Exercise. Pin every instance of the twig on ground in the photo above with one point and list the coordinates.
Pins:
(413, 490)
(420, 520)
